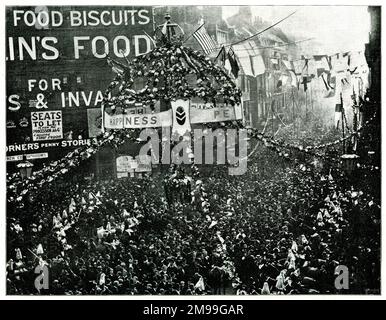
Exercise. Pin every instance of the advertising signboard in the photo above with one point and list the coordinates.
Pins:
(57, 71)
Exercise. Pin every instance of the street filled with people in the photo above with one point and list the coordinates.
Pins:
(281, 228)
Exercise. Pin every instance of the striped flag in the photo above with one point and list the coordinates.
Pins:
(206, 42)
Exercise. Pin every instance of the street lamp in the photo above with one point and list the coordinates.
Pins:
(169, 31)
(25, 168)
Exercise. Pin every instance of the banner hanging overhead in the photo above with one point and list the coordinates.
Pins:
(133, 121)
(180, 117)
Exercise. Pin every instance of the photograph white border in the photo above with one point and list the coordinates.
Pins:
(3, 295)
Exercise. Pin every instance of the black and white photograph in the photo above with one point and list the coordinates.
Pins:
(191, 150)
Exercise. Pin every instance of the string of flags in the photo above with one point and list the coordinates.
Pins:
(335, 71)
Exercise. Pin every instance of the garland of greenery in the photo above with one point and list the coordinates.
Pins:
(169, 73)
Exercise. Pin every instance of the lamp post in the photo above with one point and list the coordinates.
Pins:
(169, 31)
(25, 168)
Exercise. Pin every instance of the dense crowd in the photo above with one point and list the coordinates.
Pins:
(281, 228)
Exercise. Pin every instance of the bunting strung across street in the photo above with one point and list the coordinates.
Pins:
(244, 56)
(175, 117)
(346, 68)
(328, 69)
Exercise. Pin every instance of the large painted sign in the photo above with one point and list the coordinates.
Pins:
(56, 62)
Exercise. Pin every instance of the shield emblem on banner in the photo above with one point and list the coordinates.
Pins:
(181, 116)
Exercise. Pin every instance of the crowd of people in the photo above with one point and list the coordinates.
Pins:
(281, 228)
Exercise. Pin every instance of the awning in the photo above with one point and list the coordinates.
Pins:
(251, 61)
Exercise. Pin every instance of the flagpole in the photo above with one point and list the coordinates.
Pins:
(306, 107)
(341, 103)
(218, 53)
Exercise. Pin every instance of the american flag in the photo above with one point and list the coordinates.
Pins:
(206, 42)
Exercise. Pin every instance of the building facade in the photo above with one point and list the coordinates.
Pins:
(57, 72)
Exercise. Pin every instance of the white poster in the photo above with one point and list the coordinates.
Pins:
(46, 125)
(152, 120)
(124, 163)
